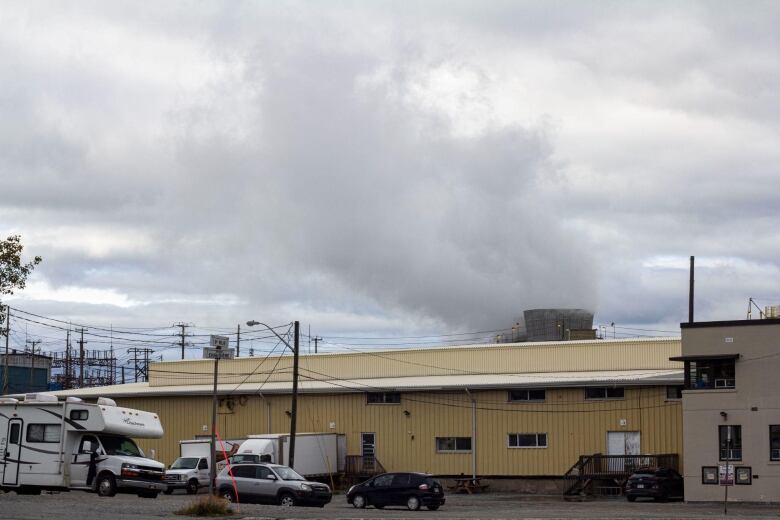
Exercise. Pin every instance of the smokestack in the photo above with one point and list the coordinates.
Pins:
(690, 295)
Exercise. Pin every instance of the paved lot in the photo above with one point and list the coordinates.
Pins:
(86, 506)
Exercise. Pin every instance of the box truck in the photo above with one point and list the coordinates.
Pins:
(316, 454)
(50, 444)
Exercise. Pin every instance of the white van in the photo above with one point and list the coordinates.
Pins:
(62, 445)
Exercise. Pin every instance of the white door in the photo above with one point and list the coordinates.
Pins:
(623, 443)
(13, 451)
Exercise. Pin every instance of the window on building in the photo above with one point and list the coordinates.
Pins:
(604, 392)
(453, 444)
(707, 374)
(674, 392)
(527, 440)
(730, 441)
(774, 442)
(526, 395)
(43, 433)
(383, 398)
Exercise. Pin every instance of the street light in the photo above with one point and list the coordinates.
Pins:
(294, 411)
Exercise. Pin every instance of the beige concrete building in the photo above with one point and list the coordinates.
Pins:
(514, 410)
(731, 409)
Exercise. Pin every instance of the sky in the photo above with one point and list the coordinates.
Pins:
(390, 169)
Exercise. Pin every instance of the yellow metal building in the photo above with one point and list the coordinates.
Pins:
(538, 406)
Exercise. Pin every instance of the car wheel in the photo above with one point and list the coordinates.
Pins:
(630, 498)
(168, 491)
(286, 500)
(359, 501)
(106, 485)
(228, 495)
(433, 508)
(413, 503)
(192, 487)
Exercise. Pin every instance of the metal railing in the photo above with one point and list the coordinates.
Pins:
(360, 465)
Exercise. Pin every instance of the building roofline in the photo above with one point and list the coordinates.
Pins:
(729, 323)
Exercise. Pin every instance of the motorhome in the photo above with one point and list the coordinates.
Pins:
(47, 444)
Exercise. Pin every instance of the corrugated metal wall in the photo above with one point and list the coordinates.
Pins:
(573, 356)
(407, 442)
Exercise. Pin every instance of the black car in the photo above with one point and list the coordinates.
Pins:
(656, 483)
(398, 489)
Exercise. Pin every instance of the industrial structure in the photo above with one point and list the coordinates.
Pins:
(550, 325)
(27, 372)
(505, 411)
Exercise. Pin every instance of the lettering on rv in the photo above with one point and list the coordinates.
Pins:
(129, 421)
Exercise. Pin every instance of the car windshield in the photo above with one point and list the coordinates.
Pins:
(185, 463)
(120, 446)
(286, 473)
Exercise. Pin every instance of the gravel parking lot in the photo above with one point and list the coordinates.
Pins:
(86, 506)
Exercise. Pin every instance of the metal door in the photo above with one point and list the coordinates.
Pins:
(368, 450)
(13, 451)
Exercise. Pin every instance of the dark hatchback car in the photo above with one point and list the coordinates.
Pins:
(398, 489)
(656, 483)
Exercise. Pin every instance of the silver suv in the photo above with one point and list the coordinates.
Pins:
(270, 483)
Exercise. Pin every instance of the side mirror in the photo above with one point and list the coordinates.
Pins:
(271, 477)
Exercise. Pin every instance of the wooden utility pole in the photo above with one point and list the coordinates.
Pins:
(294, 411)
(317, 340)
(32, 361)
(7, 335)
(238, 341)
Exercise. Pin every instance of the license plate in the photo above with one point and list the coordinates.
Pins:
(640, 486)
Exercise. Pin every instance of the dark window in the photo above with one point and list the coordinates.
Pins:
(244, 471)
(79, 415)
(774, 442)
(730, 441)
(526, 395)
(674, 392)
(604, 392)
(451, 444)
(707, 374)
(89, 444)
(14, 437)
(203, 464)
(527, 440)
(383, 481)
(43, 433)
(401, 480)
(263, 472)
(383, 398)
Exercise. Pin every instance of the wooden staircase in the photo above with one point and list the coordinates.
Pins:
(607, 474)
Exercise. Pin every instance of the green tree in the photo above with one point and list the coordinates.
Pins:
(13, 273)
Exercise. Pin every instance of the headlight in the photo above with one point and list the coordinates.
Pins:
(305, 487)
(130, 470)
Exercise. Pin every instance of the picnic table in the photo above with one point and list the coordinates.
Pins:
(468, 485)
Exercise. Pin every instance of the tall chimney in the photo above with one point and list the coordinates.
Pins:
(690, 296)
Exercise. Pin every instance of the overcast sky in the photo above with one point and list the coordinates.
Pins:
(391, 168)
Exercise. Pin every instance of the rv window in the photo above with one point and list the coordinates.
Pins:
(79, 415)
(14, 438)
(43, 433)
(120, 446)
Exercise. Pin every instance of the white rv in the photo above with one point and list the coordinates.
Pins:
(62, 445)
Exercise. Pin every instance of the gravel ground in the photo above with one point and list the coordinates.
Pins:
(86, 506)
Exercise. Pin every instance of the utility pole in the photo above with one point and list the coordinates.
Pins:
(81, 358)
(182, 334)
(316, 339)
(238, 341)
(294, 411)
(32, 361)
(7, 335)
(123, 374)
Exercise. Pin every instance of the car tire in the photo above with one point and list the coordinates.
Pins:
(168, 491)
(433, 507)
(630, 498)
(228, 495)
(413, 503)
(359, 502)
(106, 485)
(286, 500)
(192, 487)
